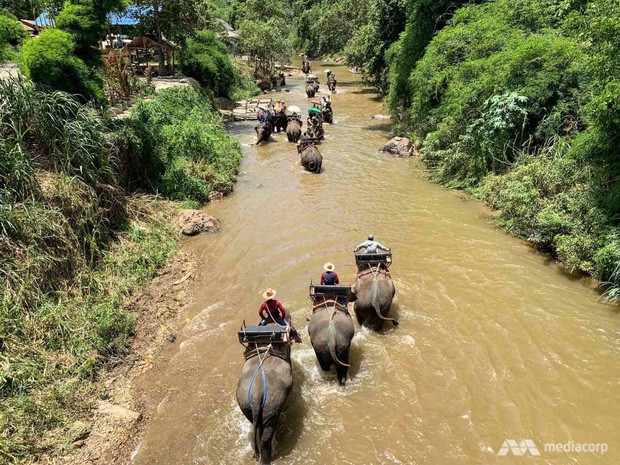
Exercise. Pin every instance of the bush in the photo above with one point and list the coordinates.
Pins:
(207, 60)
(192, 154)
(49, 60)
(12, 34)
(553, 203)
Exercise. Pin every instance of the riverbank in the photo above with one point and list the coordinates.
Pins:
(80, 238)
(113, 417)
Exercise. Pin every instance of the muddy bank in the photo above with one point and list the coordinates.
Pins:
(109, 435)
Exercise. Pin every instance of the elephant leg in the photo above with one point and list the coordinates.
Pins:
(341, 372)
(360, 318)
(265, 444)
(376, 323)
(324, 360)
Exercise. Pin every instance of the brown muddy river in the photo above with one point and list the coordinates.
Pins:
(495, 341)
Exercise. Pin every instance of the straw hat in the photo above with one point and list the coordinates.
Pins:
(329, 266)
(269, 294)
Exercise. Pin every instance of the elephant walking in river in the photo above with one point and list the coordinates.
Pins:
(311, 158)
(310, 91)
(331, 331)
(279, 121)
(374, 290)
(263, 132)
(293, 130)
(266, 381)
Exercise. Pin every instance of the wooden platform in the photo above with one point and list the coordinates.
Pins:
(248, 109)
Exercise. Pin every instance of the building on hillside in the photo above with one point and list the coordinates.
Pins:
(227, 34)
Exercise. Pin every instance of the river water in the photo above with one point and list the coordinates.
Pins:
(495, 341)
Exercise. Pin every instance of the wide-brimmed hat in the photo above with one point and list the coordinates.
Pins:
(269, 294)
(329, 266)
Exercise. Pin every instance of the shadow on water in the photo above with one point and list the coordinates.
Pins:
(382, 127)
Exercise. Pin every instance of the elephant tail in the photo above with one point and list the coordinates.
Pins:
(375, 302)
(257, 429)
(332, 346)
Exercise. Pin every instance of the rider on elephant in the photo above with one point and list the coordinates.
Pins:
(271, 310)
(262, 116)
(371, 246)
(281, 107)
(329, 277)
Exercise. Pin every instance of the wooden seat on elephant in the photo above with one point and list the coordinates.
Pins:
(306, 142)
(323, 296)
(330, 291)
(271, 334)
(369, 260)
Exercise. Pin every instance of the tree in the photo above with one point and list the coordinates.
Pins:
(266, 43)
(11, 35)
(207, 60)
(86, 21)
(50, 60)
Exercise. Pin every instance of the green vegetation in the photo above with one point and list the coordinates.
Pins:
(75, 244)
(264, 29)
(517, 102)
(49, 60)
(72, 248)
(11, 35)
(207, 60)
(180, 140)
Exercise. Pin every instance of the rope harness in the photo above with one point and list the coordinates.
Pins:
(331, 329)
(263, 374)
(375, 290)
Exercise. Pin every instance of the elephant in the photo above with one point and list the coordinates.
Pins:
(315, 132)
(374, 291)
(331, 84)
(310, 90)
(328, 113)
(280, 121)
(306, 67)
(263, 132)
(279, 80)
(331, 331)
(293, 130)
(261, 392)
(316, 86)
(311, 158)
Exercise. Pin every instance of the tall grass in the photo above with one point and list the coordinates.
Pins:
(74, 243)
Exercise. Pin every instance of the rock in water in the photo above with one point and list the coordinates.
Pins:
(399, 147)
(194, 222)
(215, 195)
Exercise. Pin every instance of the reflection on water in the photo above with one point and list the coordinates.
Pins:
(494, 342)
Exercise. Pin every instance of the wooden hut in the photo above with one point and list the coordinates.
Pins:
(143, 53)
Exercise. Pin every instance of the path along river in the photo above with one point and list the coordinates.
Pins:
(495, 341)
